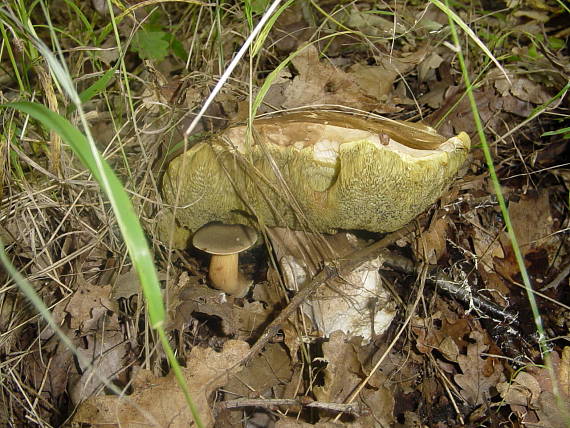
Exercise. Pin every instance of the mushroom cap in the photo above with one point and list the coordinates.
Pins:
(224, 239)
(319, 171)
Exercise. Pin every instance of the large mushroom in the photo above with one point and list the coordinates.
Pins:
(323, 171)
(224, 242)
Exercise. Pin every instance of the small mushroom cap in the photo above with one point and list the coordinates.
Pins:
(224, 239)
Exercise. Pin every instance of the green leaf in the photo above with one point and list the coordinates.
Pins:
(98, 86)
(555, 43)
(150, 44)
(533, 52)
(259, 6)
(177, 47)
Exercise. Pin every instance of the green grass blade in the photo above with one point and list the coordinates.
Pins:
(99, 86)
(127, 219)
(556, 132)
(259, 42)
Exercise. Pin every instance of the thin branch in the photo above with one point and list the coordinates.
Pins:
(352, 409)
(441, 281)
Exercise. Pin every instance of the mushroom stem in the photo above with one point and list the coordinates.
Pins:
(225, 275)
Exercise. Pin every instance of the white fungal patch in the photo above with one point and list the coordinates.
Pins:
(326, 151)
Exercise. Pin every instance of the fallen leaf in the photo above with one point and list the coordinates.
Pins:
(126, 285)
(160, 400)
(189, 297)
(88, 304)
(431, 62)
(105, 353)
(341, 375)
(371, 24)
(50, 370)
(533, 222)
(524, 390)
(432, 244)
(251, 318)
(320, 82)
(266, 375)
(520, 87)
(435, 96)
(344, 373)
(480, 374)
(532, 397)
(434, 333)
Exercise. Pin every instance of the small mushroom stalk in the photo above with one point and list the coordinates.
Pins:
(224, 242)
(225, 275)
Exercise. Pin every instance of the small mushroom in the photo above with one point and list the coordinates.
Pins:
(224, 242)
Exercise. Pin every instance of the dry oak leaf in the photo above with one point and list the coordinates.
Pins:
(438, 331)
(266, 375)
(342, 376)
(158, 401)
(533, 223)
(520, 87)
(532, 396)
(88, 304)
(103, 357)
(433, 242)
(479, 374)
(320, 82)
(189, 297)
(524, 390)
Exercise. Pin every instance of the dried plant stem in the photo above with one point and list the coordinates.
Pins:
(353, 409)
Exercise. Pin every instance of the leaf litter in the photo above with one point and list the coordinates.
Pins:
(456, 366)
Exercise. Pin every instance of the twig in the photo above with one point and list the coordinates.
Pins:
(353, 408)
(440, 280)
(330, 270)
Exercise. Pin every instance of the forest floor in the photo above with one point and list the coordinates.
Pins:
(466, 337)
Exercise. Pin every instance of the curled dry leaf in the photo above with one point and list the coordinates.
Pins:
(342, 376)
(521, 87)
(251, 318)
(105, 353)
(435, 332)
(533, 224)
(189, 297)
(127, 285)
(320, 82)
(266, 375)
(432, 244)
